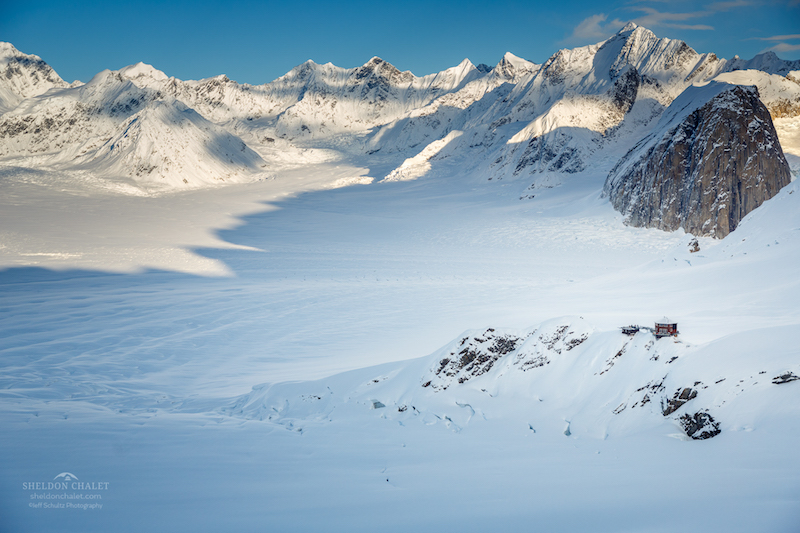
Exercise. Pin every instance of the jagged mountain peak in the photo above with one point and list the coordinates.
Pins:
(8, 51)
(376, 61)
(465, 63)
(105, 77)
(515, 61)
(383, 69)
(508, 57)
(512, 67)
(23, 76)
(767, 62)
(219, 79)
(630, 27)
(660, 58)
(631, 30)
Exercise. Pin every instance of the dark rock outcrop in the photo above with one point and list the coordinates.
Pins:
(474, 356)
(678, 399)
(786, 377)
(700, 426)
(707, 165)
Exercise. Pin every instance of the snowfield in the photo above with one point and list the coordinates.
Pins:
(253, 358)
(407, 319)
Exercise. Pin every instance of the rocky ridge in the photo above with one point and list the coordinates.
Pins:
(562, 375)
(713, 158)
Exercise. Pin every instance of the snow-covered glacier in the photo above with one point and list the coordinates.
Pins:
(358, 299)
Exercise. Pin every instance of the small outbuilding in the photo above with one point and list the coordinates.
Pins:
(666, 328)
(630, 330)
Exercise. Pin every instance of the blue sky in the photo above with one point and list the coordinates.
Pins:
(255, 42)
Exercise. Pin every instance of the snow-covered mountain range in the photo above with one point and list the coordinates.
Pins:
(518, 120)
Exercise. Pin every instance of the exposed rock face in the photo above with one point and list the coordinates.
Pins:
(700, 426)
(702, 170)
(678, 400)
(474, 356)
(786, 377)
(481, 352)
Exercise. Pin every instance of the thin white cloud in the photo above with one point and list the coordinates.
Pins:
(783, 47)
(655, 18)
(593, 29)
(777, 38)
(597, 27)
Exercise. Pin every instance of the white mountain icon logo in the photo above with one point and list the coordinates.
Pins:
(66, 476)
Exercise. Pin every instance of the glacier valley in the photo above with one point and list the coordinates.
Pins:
(362, 300)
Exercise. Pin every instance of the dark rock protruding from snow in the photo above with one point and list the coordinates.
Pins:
(700, 426)
(786, 377)
(678, 400)
(712, 159)
(474, 356)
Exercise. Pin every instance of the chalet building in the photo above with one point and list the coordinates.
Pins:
(665, 328)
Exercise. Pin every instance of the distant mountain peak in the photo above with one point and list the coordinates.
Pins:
(8, 50)
(510, 66)
(380, 67)
(142, 70)
(23, 76)
(516, 61)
